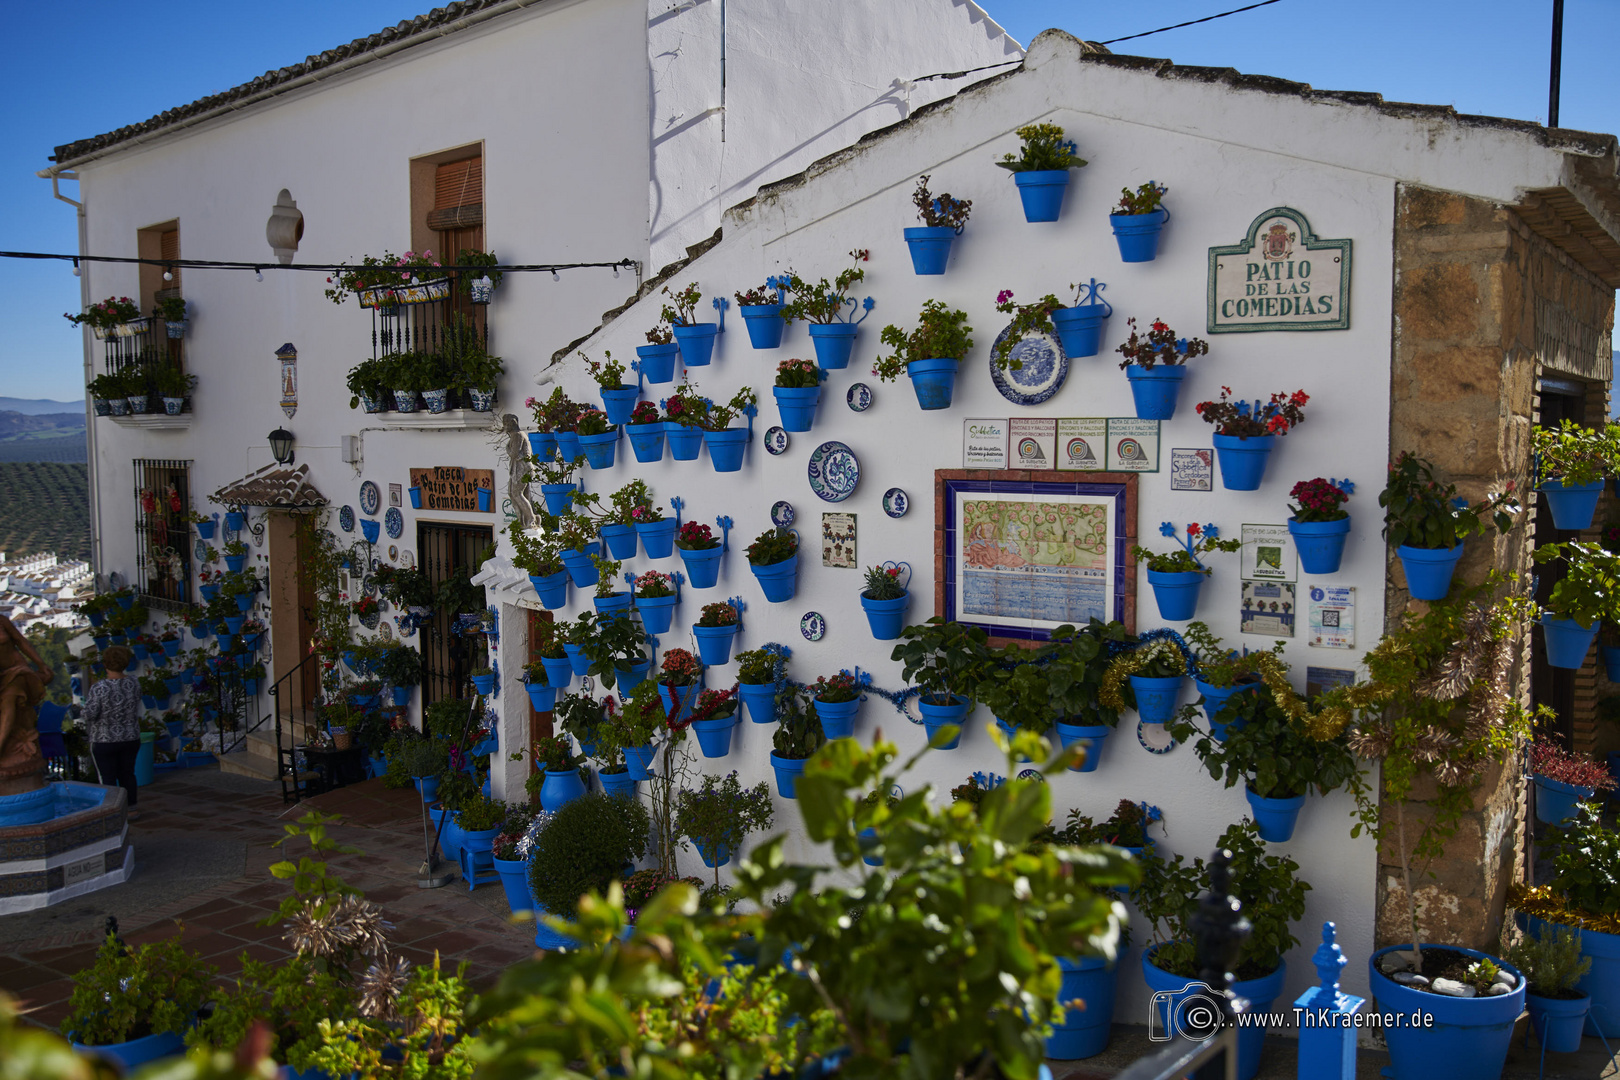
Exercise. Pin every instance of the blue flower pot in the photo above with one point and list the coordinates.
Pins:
(619, 402)
(930, 248)
(837, 717)
(235, 521)
(1091, 734)
(713, 855)
(796, 405)
(620, 540)
(1320, 544)
(886, 617)
(714, 643)
(1215, 699)
(1080, 328)
(1275, 818)
(577, 660)
(205, 530)
(551, 589)
(834, 343)
(234, 623)
(559, 497)
(1455, 1036)
(939, 716)
(714, 736)
(1156, 389)
(208, 593)
(402, 696)
(515, 881)
(139, 652)
(657, 538)
(618, 784)
(765, 324)
(486, 500)
(1084, 1031)
(370, 528)
(788, 771)
(244, 603)
(1567, 641)
(1156, 697)
(657, 613)
(1138, 234)
(702, 566)
(600, 450)
(1572, 507)
(542, 444)
(1558, 1023)
(933, 381)
(449, 834)
(633, 676)
(171, 648)
(1556, 800)
(1243, 461)
(726, 448)
(1176, 593)
(136, 1052)
(1167, 991)
(778, 580)
(760, 700)
(235, 563)
(638, 758)
(580, 567)
(647, 441)
(560, 788)
(1601, 983)
(542, 697)
(1042, 193)
(559, 670)
(684, 440)
(657, 362)
(484, 684)
(1428, 570)
(568, 447)
(547, 938)
(97, 617)
(1611, 662)
(613, 602)
(868, 840)
(696, 343)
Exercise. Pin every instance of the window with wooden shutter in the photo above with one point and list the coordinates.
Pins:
(458, 195)
(169, 248)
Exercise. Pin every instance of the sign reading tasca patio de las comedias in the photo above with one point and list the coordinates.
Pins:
(450, 487)
(1280, 277)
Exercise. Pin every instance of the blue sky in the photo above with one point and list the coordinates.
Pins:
(76, 68)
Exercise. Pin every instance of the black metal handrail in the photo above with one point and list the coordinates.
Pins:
(286, 765)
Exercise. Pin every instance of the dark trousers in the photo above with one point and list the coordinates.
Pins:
(115, 761)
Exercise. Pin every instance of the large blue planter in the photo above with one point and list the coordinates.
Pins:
(638, 758)
(1556, 1022)
(930, 248)
(1243, 461)
(558, 497)
(1320, 544)
(1567, 641)
(714, 643)
(760, 700)
(765, 324)
(542, 444)
(696, 342)
(1080, 328)
(1156, 697)
(515, 880)
(577, 660)
(559, 670)
(1085, 1030)
(713, 855)
(547, 938)
(1156, 389)
(1215, 698)
(657, 612)
(834, 342)
(619, 402)
(796, 405)
(1138, 234)
(647, 441)
(684, 441)
(1167, 995)
(1428, 570)
(138, 1052)
(886, 617)
(778, 580)
(580, 567)
(1572, 507)
(542, 697)
(726, 448)
(788, 771)
(449, 832)
(1176, 593)
(1275, 818)
(1453, 1036)
(618, 784)
(936, 717)
(552, 589)
(933, 381)
(714, 736)
(620, 540)
(145, 759)
(1042, 193)
(1601, 983)
(837, 717)
(568, 445)
(657, 362)
(1093, 735)
(702, 566)
(560, 788)
(1556, 800)
(657, 538)
(600, 450)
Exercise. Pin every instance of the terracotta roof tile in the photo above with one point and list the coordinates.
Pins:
(272, 486)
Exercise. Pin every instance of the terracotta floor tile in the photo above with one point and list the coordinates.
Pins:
(17, 976)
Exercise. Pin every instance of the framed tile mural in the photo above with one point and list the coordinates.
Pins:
(1020, 555)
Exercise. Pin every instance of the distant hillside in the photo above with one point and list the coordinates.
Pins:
(47, 508)
(16, 425)
(62, 448)
(34, 406)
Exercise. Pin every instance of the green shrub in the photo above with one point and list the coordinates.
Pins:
(586, 846)
(132, 993)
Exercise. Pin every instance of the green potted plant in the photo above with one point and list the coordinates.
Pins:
(608, 600)
(562, 784)
(885, 600)
(1579, 601)
(820, 304)
(173, 386)
(1076, 661)
(634, 727)
(1041, 169)
(1077, 326)
(1427, 523)
(617, 650)
(618, 397)
(1319, 524)
(695, 340)
(645, 429)
(797, 737)
(172, 310)
(598, 439)
(1137, 221)
(774, 559)
(116, 316)
(476, 373)
(798, 392)
(943, 219)
(292, 996)
(479, 285)
(948, 663)
(759, 673)
(367, 386)
(687, 410)
(713, 718)
(1574, 461)
(761, 309)
(1147, 678)
(929, 355)
(715, 630)
(583, 848)
(1219, 672)
(618, 525)
(719, 814)
(656, 359)
(700, 552)
(837, 699)
(577, 544)
(1155, 363)
(726, 443)
(133, 1004)
(1178, 577)
(1552, 965)
(480, 819)
(679, 674)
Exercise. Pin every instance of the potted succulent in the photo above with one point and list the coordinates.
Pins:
(582, 848)
(1319, 526)
(618, 398)
(686, 412)
(656, 359)
(820, 304)
(1137, 221)
(1562, 780)
(1178, 577)
(760, 673)
(1427, 523)
(1151, 675)
(774, 559)
(715, 630)
(1575, 460)
(714, 716)
(761, 310)
(885, 600)
(562, 784)
(1579, 601)
(943, 219)
(1219, 672)
(929, 355)
(948, 663)
(1552, 964)
(656, 599)
(695, 339)
(646, 431)
(700, 551)
(719, 814)
(133, 1004)
(1155, 364)
(726, 443)
(837, 700)
(1041, 170)
(598, 439)
(680, 674)
(1245, 434)
(798, 736)
(798, 392)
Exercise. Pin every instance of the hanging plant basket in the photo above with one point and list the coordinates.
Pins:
(936, 717)
(657, 613)
(702, 566)
(714, 736)
(1572, 507)
(657, 538)
(788, 771)
(685, 441)
(600, 450)
(1275, 818)
(579, 565)
(837, 717)
(1156, 698)
(620, 540)
(760, 701)
(618, 403)
(558, 497)
(1567, 641)
(568, 445)
(1080, 328)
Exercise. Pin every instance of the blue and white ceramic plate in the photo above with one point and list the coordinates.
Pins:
(1032, 774)
(896, 503)
(394, 522)
(368, 585)
(813, 626)
(782, 514)
(834, 472)
(776, 440)
(1044, 367)
(1154, 738)
(200, 549)
(370, 498)
(859, 397)
(346, 519)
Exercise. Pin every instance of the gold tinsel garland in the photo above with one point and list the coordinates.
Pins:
(1544, 904)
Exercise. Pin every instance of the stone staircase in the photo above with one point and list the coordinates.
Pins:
(258, 759)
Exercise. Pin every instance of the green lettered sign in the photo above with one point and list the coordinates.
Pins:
(1280, 277)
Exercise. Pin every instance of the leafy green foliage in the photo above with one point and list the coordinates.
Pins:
(611, 643)
(940, 211)
(1589, 591)
(772, 546)
(292, 996)
(1267, 751)
(823, 301)
(943, 658)
(312, 885)
(721, 811)
(585, 847)
(942, 333)
(1576, 454)
(1586, 865)
(798, 726)
(1220, 667)
(431, 1041)
(1551, 963)
(1419, 512)
(1044, 149)
(132, 993)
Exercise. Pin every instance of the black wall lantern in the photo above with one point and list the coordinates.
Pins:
(281, 446)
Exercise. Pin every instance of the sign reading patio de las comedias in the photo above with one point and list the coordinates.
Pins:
(1280, 277)
(450, 487)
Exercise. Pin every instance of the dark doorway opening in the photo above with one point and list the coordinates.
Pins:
(443, 552)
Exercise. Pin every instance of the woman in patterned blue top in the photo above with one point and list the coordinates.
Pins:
(112, 718)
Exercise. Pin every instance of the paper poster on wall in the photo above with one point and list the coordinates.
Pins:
(1268, 554)
(984, 444)
(1034, 441)
(838, 540)
(1133, 445)
(1192, 470)
(1082, 443)
(1322, 679)
(1268, 608)
(1331, 616)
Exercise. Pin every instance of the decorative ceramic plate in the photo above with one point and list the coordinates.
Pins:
(776, 440)
(407, 559)
(896, 503)
(1032, 774)
(385, 631)
(834, 472)
(782, 514)
(370, 499)
(200, 549)
(813, 626)
(1045, 366)
(1160, 741)
(346, 519)
(369, 585)
(393, 552)
(859, 397)
(394, 522)
(376, 563)
(370, 620)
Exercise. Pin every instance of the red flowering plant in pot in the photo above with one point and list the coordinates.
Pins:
(1320, 524)
(1155, 363)
(1563, 779)
(1246, 431)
